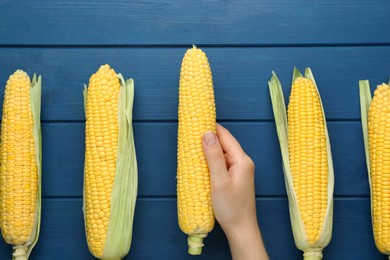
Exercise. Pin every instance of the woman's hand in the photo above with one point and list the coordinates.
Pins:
(233, 193)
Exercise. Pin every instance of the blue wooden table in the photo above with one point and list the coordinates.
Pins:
(66, 41)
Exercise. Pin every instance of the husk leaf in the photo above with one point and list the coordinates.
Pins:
(24, 251)
(296, 74)
(280, 115)
(124, 194)
(365, 102)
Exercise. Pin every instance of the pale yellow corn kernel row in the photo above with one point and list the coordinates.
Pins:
(18, 171)
(100, 155)
(196, 115)
(308, 155)
(379, 147)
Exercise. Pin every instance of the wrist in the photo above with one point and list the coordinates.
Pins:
(244, 231)
(243, 227)
(245, 241)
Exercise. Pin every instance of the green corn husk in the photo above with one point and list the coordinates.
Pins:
(365, 102)
(35, 95)
(311, 252)
(124, 194)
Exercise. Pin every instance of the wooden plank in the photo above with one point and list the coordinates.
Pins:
(188, 22)
(240, 77)
(63, 158)
(156, 232)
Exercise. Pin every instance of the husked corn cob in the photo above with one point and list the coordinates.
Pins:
(20, 164)
(307, 162)
(308, 155)
(110, 171)
(196, 115)
(379, 152)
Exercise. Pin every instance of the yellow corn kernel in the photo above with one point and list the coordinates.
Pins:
(100, 156)
(379, 147)
(196, 115)
(308, 155)
(18, 171)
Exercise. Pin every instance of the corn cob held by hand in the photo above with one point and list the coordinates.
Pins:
(375, 124)
(20, 171)
(307, 162)
(196, 115)
(110, 171)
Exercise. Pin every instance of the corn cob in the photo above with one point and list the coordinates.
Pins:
(196, 115)
(110, 174)
(375, 119)
(20, 171)
(308, 155)
(307, 162)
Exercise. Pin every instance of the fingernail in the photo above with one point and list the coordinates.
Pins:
(209, 138)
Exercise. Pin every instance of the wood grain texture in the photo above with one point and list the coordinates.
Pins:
(157, 235)
(343, 41)
(240, 77)
(63, 158)
(200, 22)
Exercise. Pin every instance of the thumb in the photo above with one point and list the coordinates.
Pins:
(214, 155)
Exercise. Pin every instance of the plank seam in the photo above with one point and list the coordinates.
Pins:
(168, 46)
(173, 197)
(219, 120)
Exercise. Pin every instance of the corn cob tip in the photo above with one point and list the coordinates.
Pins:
(18, 75)
(193, 50)
(20, 72)
(195, 244)
(104, 67)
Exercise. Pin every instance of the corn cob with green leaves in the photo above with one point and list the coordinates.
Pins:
(110, 172)
(375, 115)
(307, 162)
(20, 171)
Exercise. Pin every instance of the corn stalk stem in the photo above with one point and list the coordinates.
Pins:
(312, 257)
(20, 253)
(195, 244)
(314, 254)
